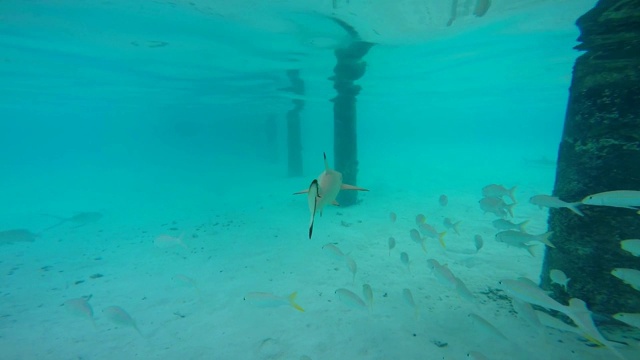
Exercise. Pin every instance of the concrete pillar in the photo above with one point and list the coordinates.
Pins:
(348, 69)
(599, 151)
(294, 134)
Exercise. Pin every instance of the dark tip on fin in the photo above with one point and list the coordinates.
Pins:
(314, 184)
(325, 155)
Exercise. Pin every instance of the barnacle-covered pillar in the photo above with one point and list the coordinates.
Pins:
(599, 151)
(294, 134)
(349, 68)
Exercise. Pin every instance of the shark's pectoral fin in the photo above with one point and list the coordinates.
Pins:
(335, 203)
(312, 199)
(351, 187)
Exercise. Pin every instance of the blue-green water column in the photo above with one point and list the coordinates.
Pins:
(599, 151)
(349, 68)
(294, 136)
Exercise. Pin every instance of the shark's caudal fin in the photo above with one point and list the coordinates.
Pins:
(312, 198)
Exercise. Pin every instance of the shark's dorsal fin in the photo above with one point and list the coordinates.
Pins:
(326, 163)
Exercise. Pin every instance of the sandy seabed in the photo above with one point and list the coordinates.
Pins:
(242, 237)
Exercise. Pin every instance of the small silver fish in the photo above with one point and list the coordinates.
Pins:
(431, 232)
(629, 319)
(555, 202)
(464, 292)
(442, 273)
(529, 292)
(496, 206)
(479, 242)
(502, 224)
(443, 200)
(350, 299)
(267, 300)
(552, 322)
(486, 325)
(334, 251)
(392, 244)
(352, 266)
(120, 317)
(367, 293)
(404, 258)
(495, 190)
(629, 199)
(408, 298)
(525, 311)
(559, 277)
(415, 236)
(475, 355)
(628, 276)
(449, 224)
(514, 238)
(80, 306)
(631, 245)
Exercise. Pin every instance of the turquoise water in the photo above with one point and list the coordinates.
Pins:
(154, 115)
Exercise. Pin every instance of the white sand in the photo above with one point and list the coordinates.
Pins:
(252, 238)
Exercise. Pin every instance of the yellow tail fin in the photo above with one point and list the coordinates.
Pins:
(292, 301)
(441, 238)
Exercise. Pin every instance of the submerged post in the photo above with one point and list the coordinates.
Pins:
(294, 137)
(599, 151)
(271, 132)
(348, 69)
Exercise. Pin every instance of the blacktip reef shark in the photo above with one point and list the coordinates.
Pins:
(324, 190)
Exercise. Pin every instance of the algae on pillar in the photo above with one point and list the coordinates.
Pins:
(599, 151)
(294, 137)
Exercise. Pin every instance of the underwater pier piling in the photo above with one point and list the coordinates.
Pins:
(599, 151)
(271, 134)
(348, 69)
(294, 137)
